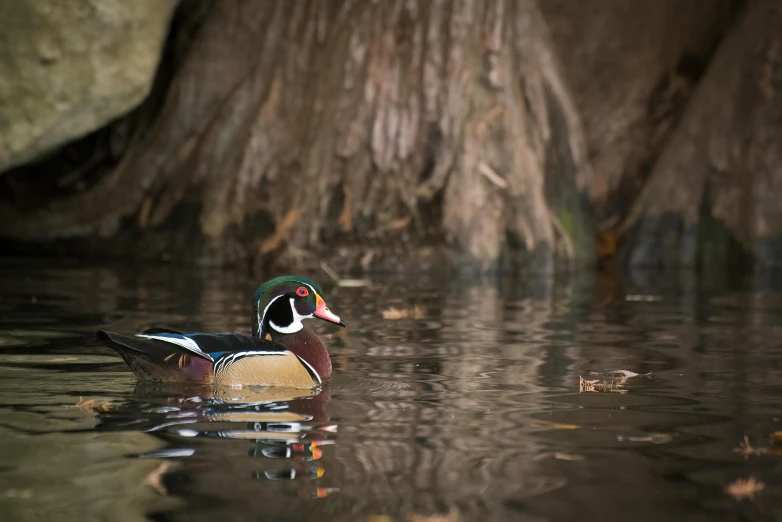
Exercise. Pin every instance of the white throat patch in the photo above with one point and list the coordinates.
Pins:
(295, 326)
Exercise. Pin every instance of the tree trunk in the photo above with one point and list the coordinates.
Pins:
(415, 130)
(632, 68)
(713, 195)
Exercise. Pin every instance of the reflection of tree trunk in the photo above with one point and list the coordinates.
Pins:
(458, 433)
(308, 124)
(714, 192)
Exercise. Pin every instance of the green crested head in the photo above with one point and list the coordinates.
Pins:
(279, 285)
(280, 304)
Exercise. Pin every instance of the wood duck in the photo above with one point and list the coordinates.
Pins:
(280, 351)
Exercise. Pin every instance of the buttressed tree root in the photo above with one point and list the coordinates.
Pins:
(300, 129)
(418, 133)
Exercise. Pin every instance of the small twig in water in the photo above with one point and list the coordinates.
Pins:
(746, 449)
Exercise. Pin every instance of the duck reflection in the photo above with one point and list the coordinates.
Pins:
(288, 431)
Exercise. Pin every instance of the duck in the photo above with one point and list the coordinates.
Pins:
(281, 352)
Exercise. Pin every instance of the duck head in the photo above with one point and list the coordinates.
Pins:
(281, 304)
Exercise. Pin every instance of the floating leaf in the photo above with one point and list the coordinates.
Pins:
(91, 405)
(601, 386)
(745, 488)
(404, 313)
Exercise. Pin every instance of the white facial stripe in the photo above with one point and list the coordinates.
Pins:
(308, 286)
(293, 328)
(313, 293)
(260, 317)
(296, 325)
(296, 316)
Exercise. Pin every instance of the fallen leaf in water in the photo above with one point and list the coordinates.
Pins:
(155, 479)
(746, 449)
(777, 436)
(744, 488)
(91, 404)
(606, 385)
(404, 313)
(567, 456)
(585, 385)
(602, 386)
(451, 516)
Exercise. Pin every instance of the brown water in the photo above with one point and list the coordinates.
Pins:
(470, 408)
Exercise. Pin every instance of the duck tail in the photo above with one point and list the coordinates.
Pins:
(159, 361)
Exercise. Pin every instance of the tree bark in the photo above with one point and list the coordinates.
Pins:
(632, 68)
(418, 134)
(712, 199)
(299, 130)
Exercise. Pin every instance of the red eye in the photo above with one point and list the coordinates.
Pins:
(302, 291)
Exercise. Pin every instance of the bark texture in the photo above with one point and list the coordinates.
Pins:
(418, 134)
(303, 126)
(632, 68)
(713, 195)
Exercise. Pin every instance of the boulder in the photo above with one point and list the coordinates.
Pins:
(68, 68)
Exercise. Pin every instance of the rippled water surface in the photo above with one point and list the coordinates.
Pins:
(588, 399)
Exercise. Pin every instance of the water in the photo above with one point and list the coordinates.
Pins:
(471, 407)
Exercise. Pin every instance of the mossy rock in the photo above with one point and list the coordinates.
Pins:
(68, 68)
